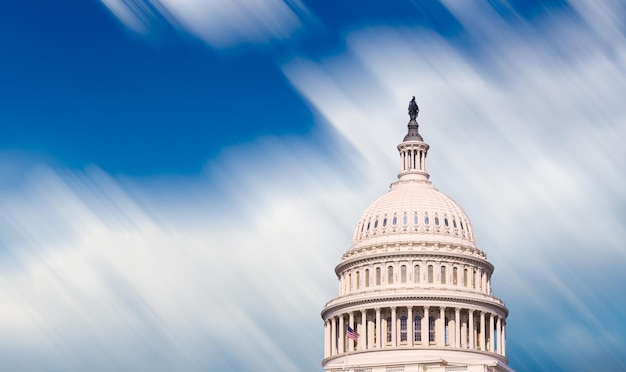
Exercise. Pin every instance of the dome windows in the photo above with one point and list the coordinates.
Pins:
(405, 219)
(376, 224)
(415, 219)
(394, 221)
(368, 226)
(426, 220)
(385, 222)
(445, 221)
(436, 221)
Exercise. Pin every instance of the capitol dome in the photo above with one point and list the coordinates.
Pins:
(414, 287)
(416, 211)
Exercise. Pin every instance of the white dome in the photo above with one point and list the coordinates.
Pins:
(413, 212)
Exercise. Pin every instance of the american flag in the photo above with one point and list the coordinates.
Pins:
(352, 334)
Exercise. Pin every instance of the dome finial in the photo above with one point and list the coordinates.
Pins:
(413, 133)
(414, 109)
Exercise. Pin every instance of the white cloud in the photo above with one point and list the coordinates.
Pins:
(221, 24)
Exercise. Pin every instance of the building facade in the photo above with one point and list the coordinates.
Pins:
(414, 287)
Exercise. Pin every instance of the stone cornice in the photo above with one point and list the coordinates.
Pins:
(388, 299)
(422, 254)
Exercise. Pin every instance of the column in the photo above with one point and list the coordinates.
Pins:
(499, 333)
(482, 331)
(491, 332)
(472, 343)
(457, 327)
(363, 333)
(378, 333)
(425, 324)
(394, 328)
(441, 336)
(464, 332)
(342, 330)
(504, 338)
(351, 323)
(409, 326)
(333, 336)
(326, 340)
(370, 333)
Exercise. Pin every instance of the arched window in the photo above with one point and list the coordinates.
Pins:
(376, 224)
(426, 220)
(416, 274)
(455, 274)
(475, 279)
(443, 275)
(388, 329)
(368, 226)
(385, 222)
(415, 219)
(445, 221)
(417, 328)
(403, 274)
(454, 223)
(378, 276)
(430, 273)
(465, 277)
(431, 329)
(350, 281)
(403, 337)
(358, 279)
(367, 277)
(436, 220)
(405, 219)
(394, 221)
(390, 275)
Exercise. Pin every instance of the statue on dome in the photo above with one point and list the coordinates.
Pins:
(414, 110)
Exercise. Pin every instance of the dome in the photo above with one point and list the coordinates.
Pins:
(413, 212)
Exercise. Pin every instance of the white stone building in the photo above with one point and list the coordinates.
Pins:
(414, 285)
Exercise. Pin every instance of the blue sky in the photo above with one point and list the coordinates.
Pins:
(179, 178)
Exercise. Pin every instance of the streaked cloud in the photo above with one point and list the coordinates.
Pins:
(221, 24)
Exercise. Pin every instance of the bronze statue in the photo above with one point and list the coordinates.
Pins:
(414, 110)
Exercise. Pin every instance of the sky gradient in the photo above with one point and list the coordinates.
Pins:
(178, 179)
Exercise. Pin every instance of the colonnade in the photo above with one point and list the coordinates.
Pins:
(413, 159)
(416, 326)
